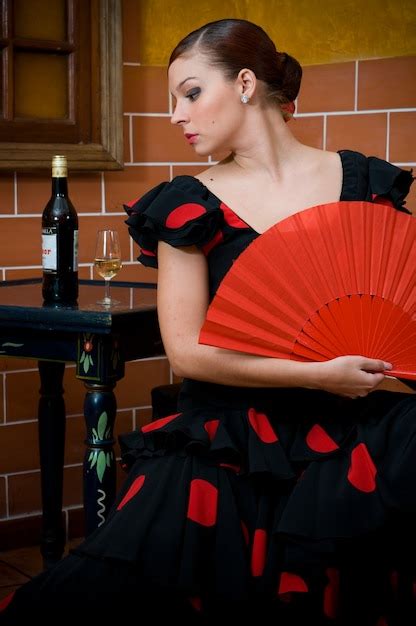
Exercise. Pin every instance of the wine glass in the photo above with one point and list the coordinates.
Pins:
(107, 260)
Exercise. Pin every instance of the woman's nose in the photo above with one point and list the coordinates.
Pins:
(178, 115)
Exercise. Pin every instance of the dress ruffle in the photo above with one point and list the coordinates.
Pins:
(242, 441)
(374, 180)
(332, 478)
(181, 212)
(389, 181)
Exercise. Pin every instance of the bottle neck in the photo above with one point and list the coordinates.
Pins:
(59, 186)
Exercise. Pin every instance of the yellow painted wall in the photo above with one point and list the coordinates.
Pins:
(314, 31)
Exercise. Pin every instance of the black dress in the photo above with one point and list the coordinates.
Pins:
(279, 506)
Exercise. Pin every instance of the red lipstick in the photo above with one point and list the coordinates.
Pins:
(191, 137)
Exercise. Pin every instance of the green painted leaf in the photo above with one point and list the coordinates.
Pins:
(94, 435)
(94, 459)
(102, 424)
(91, 455)
(86, 365)
(101, 465)
(9, 344)
(91, 361)
(108, 459)
(82, 357)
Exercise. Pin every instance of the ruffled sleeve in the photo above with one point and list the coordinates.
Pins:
(389, 182)
(181, 212)
(374, 180)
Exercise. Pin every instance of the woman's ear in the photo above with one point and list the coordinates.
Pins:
(246, 83)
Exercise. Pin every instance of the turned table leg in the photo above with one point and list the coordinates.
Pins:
(99, 461)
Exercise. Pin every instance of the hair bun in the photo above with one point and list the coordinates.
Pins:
(291, 75)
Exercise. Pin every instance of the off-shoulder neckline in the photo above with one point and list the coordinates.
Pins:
(347, 174)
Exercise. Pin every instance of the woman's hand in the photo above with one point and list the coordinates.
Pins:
(352, 376)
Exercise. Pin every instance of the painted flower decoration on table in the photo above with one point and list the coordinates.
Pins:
(86, 358)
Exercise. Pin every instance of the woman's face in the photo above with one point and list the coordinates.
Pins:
(207, 106)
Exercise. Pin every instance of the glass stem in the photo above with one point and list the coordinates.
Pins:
(107, 291)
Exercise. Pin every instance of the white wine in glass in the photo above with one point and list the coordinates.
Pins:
(107, 260)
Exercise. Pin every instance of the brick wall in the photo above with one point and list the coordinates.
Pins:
(365, 105)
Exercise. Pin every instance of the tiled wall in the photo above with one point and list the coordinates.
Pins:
(367, 105)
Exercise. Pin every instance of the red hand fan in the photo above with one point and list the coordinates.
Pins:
(331, 280)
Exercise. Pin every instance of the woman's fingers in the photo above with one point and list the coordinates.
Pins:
(375, 365)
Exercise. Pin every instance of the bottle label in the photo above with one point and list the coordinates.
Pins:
(75, 251)
(49, 249)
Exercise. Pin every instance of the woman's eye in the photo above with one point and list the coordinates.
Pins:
(193, 94)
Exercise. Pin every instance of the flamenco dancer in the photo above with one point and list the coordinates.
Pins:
(281, 491)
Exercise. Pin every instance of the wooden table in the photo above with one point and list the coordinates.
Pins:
(99, 340)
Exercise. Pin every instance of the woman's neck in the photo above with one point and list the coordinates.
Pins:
(267, 144)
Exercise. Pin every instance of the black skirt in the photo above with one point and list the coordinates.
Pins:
(280, 506)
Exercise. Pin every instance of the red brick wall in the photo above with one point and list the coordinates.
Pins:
(365, 105)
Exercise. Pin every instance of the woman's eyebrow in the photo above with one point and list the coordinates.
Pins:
(184, 81)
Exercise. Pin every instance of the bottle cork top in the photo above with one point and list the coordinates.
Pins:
(59, 166)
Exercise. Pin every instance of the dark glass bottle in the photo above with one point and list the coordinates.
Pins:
(60, 240)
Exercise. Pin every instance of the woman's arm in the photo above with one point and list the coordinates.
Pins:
(182, 306)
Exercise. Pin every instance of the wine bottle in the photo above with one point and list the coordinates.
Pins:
(60, 240)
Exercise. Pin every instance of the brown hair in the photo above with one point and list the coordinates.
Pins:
(233, 44)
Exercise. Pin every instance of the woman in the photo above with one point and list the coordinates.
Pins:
(237, 506)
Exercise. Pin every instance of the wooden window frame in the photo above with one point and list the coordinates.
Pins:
(106, 154)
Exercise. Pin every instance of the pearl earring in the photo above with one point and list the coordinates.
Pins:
(244, 98)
